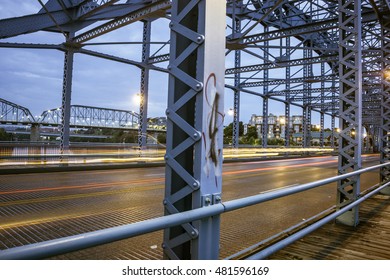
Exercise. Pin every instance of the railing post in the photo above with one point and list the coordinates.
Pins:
(195, 125)
(350, 136)
(385, 107)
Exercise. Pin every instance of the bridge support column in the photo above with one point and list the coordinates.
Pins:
(265, 92)
(384, 133)
(144, 94)
(35, 133)
(66, 102)
(333, 133)
(195, 125)
(287, 108)
(322, 114)
(350, 136)
(236, 21)
(306, 110)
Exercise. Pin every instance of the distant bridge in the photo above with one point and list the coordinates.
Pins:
(81, 116)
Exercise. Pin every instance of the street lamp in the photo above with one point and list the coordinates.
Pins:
(137, 99)
(386, 75)
(231, 112)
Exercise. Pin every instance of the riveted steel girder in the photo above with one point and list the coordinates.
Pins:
(66, 102)
(282, 64)
(149, 10)
(144, 92)
(276, 82)
(236, 22)
(385, 106)
(350, 108)
(195, 125)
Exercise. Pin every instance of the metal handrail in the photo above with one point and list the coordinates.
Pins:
(82, 241)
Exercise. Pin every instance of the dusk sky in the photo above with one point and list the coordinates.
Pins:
(33, 78)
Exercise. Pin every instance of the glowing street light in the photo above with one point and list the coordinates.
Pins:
(386, 74)
(137, 99)
(231, 112)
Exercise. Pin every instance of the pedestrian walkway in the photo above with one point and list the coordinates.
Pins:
(370, 240)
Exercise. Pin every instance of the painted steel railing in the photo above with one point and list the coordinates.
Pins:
(86, 240)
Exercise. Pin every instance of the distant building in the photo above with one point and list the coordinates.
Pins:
(157, 123)
(276, 125)
(277, 128)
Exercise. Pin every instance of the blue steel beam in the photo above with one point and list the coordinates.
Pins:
(350, 108)
(11, 27)
(195, 126)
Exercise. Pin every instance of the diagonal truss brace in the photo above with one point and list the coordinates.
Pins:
(385, 107)
(350, 108)
(195, 125)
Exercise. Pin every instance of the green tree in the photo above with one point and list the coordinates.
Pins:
(4, 136)
(228, 132)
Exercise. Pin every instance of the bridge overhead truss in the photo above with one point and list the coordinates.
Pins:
(12, 113)
(321, 59)
(87, 116)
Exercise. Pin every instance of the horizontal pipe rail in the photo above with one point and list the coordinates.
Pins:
(82, 241)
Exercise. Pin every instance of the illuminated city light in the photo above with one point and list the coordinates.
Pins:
(386, 74)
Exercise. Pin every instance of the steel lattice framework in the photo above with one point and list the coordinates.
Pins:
(86, 116)
(12, 113)
(321, 58)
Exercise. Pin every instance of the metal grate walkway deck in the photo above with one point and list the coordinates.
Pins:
(370, 240)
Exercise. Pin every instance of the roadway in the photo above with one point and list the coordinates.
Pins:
(38, 207)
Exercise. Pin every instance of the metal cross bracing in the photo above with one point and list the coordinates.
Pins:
(236, 29)
(265, 127)
(303, 55)
(385, 104)
(194, 126)
(350, 111)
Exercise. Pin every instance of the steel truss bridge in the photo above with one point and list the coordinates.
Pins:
(80, 116)
(326, 57)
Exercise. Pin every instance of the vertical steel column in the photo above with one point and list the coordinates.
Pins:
(195, 125)
(322, 115)
(307, 72)
(143, 106)
(333, 119)
(265, 92)
(66, 101)
(287, 104)
(333, 128)
(384, 133)
(236, 21)
(350, 136)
